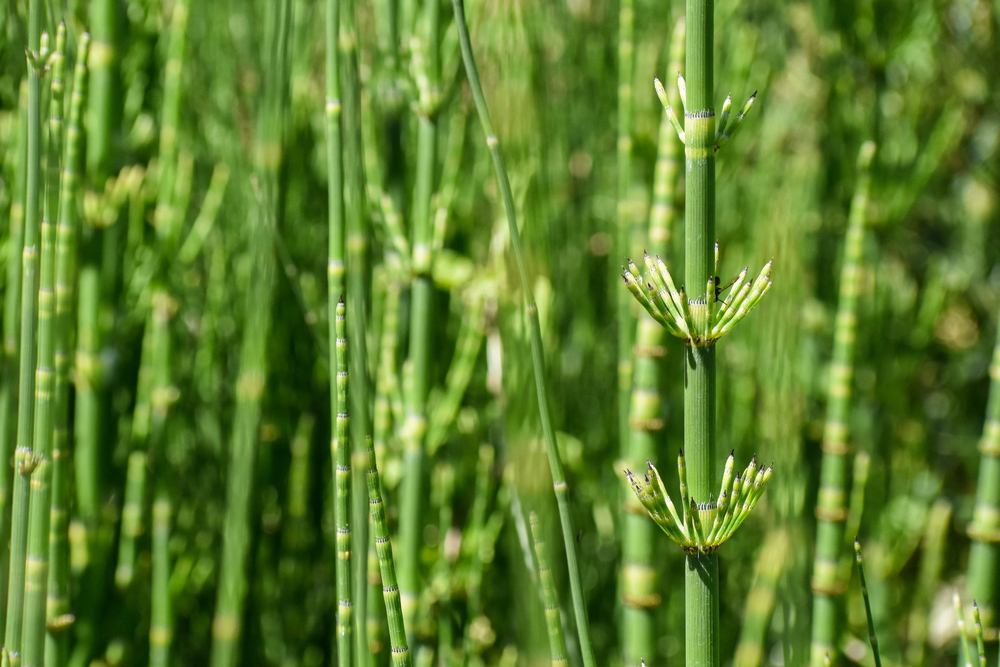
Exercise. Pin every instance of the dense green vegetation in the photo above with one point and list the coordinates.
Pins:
(209, 453)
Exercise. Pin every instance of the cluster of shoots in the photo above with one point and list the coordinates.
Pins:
(695, 321)
(724, 130)
(702, 527)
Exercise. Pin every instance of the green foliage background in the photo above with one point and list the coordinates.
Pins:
(917, 78)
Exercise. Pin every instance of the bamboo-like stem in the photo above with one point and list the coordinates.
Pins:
(24, 458)
(984, 555)
(701, 581)
(161, 397)
(37, 565)
(167, 220)
(227, 624)
(411, 526)
(401, 656)
(342, 475)
(626, 319)
(358, 286)
(760, 600)
(831, 505)
(550, 600)
(335, 178)
(535, 333)
(638, 577)
(11, 343)
(57, 607)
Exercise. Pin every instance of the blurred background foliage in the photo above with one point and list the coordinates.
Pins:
(917, 78)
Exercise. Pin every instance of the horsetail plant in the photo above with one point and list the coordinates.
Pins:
(559, 485)
(638, 576)
(342, 475)
(390, 589)
(700, 319)
(11, 342)
(868, 610)
(24, 460)
(985, 527)
(701, 527)
(37, 565)
(428, 63)
(550, 600)
(227, 624)
(831, 506)
(58, 618)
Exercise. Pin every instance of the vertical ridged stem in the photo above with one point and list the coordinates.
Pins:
(160, 398)
(390, 589)
(411, 524)
(358, 285)
(463, 364)
(167, 220)
(932, 559)
(638, 576)
(335, 178)
(37, 566)
(535, 334)
(759, 607)
(11, 344)
(831, 504)
(626, 321)
(872, 638)
(550, 600)
(342, 507)
(57, 606)
(984, 555)
(253, 365)
(701, 581)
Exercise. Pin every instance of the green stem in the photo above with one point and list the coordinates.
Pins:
(57, 607)
(638, 577)
(358, 285)
(831, 505)
(37, 566)
(626, 318)
(411, 526)
(550, 600)
(984, 554)
(701, 580)
(168, 217)
(537, 356)
(401, 656)
(24, 458)
(253, 367)
(11, 343)
(342, 475)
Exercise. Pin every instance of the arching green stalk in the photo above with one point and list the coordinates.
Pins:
(638, 577)
(535, 334)
(831, 505)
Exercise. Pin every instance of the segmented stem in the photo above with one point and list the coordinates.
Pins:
(831, 505)
(550, 600)
(342, 475)
(535, 334)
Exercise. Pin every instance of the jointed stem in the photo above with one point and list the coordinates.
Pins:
(535, 334)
